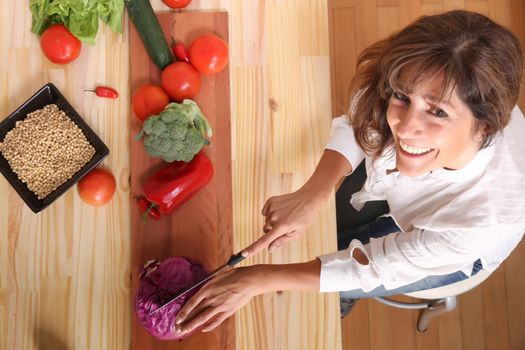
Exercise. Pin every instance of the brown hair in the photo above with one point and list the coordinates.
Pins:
(479, 59)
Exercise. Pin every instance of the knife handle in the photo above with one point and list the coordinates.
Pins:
(235, 259)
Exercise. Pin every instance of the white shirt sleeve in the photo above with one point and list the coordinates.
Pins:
(342, 140)
(489, 230)
(400, 258)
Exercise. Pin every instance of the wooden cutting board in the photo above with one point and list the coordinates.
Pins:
(201, 228)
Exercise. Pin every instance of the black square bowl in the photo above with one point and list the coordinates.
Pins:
(49, 94)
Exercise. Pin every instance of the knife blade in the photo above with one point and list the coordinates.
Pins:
(234, 260)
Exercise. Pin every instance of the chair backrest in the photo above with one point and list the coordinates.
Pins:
(452, 289)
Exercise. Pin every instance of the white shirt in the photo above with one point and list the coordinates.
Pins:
(448, 218)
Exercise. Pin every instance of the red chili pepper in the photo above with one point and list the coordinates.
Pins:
(180, 52)
(177, 182)
(148, 209)
(104, 91)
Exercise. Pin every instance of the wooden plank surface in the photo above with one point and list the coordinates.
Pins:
(202, 228)
(488, 317)
(65, 273)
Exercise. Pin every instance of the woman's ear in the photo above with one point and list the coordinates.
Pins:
(482, 132)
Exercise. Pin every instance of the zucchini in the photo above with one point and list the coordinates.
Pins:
(151, 34)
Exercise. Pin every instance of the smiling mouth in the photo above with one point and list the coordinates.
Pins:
(414, 151)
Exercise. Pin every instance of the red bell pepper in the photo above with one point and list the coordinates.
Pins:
(148, 209)
(175, 184)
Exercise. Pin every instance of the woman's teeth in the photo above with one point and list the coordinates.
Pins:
(413, 150)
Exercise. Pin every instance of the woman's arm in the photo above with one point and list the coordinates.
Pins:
(332, 167)
(225, 294)
(401, 258)
(288, 216)
(299, 276)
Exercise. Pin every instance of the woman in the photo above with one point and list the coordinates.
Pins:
(430, 112)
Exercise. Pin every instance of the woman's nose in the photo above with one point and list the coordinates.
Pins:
(410, 123)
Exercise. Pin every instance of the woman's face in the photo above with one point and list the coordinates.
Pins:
(429, 134)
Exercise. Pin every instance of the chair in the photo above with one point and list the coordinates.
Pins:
(438, 300)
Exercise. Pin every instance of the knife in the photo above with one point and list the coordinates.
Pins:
(234, 260)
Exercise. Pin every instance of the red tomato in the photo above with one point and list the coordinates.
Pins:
(180, 80)
(97, 187)
(147, 100)
(176, 4)
(209, 54)
(59, 45)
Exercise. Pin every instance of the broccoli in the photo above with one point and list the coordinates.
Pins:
(177, 133)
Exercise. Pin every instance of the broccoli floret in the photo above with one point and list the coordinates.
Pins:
(148, 124)
(158, 127)
(177, 133)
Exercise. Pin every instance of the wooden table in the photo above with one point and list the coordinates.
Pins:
(65, 273)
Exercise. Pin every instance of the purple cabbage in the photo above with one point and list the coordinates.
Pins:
(159, 283)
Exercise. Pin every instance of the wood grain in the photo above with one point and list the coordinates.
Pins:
(65, 273)
(77, 258)
(202, 228)
(488, 317)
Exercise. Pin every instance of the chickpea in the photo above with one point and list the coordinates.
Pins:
(46, 149)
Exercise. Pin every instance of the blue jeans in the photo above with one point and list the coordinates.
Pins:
(381, 227)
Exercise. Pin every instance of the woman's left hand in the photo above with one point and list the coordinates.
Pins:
(216, 301)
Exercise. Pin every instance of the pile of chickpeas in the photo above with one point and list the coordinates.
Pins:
(46, 149)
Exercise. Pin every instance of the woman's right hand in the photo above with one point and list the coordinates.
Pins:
(287, 217)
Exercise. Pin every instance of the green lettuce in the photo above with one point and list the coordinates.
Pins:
(79, 16)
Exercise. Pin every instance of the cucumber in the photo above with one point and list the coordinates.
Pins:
(151, 34)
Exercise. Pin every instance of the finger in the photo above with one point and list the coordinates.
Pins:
(278, 242)
(217, 321)
(268, 203)
(262, 242)
(189, 306)
(199, 320)
(196, 311)
(252, 249)
(272, 218)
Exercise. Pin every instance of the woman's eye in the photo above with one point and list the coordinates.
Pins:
(438, 112)
(399, 96)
